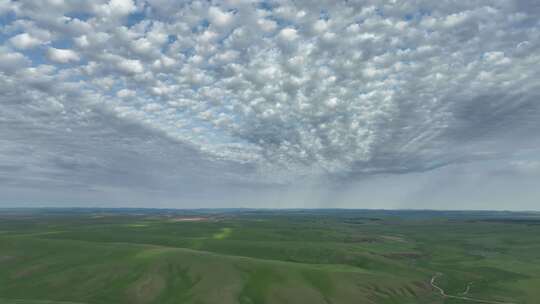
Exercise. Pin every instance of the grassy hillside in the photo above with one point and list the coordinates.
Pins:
(253, 257)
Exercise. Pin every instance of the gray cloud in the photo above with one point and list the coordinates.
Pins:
(177, 97)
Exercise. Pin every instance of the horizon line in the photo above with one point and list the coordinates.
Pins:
(271, 209)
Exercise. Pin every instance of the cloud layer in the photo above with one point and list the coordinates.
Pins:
(245, 92)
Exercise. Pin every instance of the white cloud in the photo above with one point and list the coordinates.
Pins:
(130, 66)
(62, 55)
(320, 26)
(82, 41)
(267, 25)
(25, 41)
(125, 93)
(219, 17)
(117, 8)
(288, 34)
(6, 6)
(12, 61)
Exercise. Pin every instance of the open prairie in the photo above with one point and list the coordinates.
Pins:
(54, 256)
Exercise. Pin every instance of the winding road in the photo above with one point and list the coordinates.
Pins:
(445, 295)
(467, 289)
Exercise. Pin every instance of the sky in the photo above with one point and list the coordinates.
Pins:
(274, 104)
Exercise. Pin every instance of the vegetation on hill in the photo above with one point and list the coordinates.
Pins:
(254, 257)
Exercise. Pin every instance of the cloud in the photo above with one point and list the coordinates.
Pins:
(526, 166)
(283, 90)
(62, 55)
(218, 17)
(6, 6)
(12, 61)
(288, 34)
(116, 8)
(25, 41)
(130, 66)
(125, 93)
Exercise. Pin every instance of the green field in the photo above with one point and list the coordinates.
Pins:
(58, 256)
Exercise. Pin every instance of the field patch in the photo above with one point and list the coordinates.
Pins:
(147, 289)
(223, 234)
(189, 219)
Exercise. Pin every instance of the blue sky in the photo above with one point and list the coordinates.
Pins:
(367, 104)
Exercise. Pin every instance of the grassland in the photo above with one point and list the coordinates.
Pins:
(255, 257)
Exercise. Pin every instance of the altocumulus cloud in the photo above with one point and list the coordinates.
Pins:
(178, 96)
